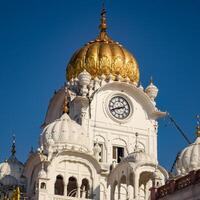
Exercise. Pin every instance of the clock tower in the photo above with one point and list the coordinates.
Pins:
(99, 138)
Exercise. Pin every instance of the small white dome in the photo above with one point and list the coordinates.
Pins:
(189, 158)
(84, 78)
(42, 173)
(152, 91)
(11, 169)
(141, 87)
(64, 131)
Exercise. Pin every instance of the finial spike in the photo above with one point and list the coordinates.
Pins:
(13, 149)
(103, 24)
(198, 126)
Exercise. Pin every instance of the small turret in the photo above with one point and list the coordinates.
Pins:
(152, 90)
(84, 80)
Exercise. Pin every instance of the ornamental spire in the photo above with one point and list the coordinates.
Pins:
(103, 24)
(198, 126)
(13, 149)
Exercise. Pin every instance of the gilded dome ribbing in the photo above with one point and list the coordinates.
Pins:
(103, 56)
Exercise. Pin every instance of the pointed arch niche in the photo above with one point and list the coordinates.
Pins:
(59, 185)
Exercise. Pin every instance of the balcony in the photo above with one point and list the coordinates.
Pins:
(59, 197)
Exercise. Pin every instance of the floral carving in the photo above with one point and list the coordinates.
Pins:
(117, 65)
(104, 65)
(91, 65)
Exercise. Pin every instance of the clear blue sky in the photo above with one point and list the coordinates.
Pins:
(37, 39)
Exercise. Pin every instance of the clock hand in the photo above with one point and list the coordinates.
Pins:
(117, 108)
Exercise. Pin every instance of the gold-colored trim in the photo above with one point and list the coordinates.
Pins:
(103, 56)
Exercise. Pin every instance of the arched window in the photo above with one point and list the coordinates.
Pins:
(43, 185)
(145, 183)
(72, 187)
(118, 153)
(85, 188)
(59, 185)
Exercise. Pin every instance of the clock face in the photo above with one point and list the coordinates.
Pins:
(119, 107)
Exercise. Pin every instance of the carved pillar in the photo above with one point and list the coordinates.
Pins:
(65, 189)
(78, 188)
(65, 185)
(136, 186)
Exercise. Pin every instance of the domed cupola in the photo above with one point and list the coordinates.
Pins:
(42, 173)
(64, 132)
(151, 90)
(189, 158)
(103, 56)
(11, 169)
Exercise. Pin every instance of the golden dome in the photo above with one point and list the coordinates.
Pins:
(103, 56)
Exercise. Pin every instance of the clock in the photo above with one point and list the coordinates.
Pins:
(119, 107)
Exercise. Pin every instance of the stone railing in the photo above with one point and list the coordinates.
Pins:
(175, 185)
(68, 198)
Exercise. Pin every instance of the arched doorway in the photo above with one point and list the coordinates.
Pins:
(72, 187)
(59, 185)
(84, 193)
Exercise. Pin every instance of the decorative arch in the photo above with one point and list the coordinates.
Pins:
(100, 138)
(59, 185)
(140, 146)
(60, 164)
(43, 185)
(84, 189)
(72, 187)
(119, 141)
(102, 143)
(81, 157)
(119, 149)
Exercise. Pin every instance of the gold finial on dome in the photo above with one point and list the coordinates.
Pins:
(198, 126)
(103, 56)
(103, 25)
